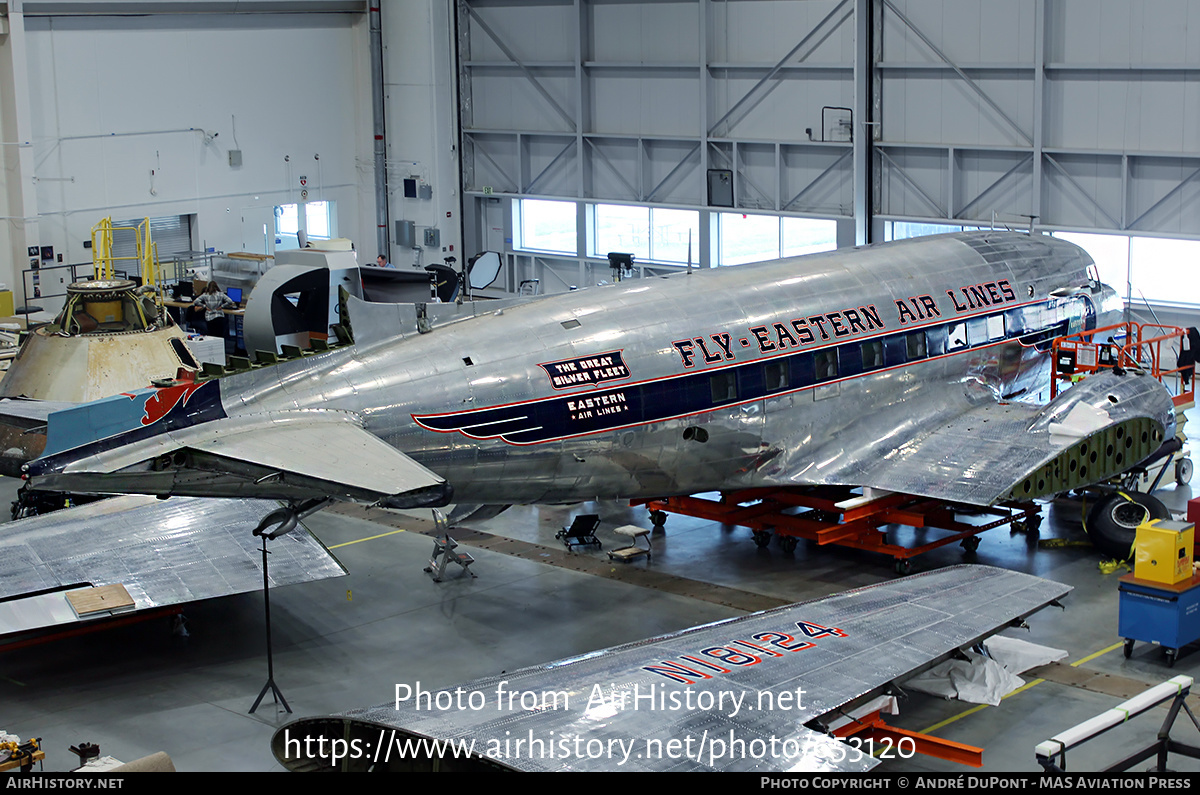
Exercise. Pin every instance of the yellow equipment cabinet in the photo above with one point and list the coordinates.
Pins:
(1163, 551)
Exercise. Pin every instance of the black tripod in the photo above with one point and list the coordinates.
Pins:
(287, 522)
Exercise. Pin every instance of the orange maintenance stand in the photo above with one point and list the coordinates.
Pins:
(842, 516)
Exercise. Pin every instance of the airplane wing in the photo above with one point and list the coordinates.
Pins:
(161, 552)
(983, 452)
(672, 702)
(276, 455)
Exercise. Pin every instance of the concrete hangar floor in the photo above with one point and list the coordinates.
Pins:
(347, 642)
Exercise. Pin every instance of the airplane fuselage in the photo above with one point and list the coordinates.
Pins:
(717, 379)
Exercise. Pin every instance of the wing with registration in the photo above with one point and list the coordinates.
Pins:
(132, 553)
(672, 702)
(986, 451)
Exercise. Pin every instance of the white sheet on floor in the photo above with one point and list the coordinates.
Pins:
(984, 679)
(1018, 656)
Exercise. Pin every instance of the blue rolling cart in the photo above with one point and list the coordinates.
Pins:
(1153, 612)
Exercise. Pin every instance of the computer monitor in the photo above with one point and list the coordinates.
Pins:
(235, 294)
(186, 290)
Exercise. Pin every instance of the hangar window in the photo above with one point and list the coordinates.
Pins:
(747, 238)
(319, 222)
(806, 236)
(655, 234)
(1146, 267)
(545, 225)
(899, 230)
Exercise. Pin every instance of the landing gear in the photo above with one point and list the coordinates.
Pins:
(1113, 523)
(1030, 526)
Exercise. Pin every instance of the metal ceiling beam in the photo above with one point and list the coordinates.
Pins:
(477, 149)
(1115, 224)
(818, 178)
(524, 69)
(909, 181)
(1168, 195)
(778, 66)
(974, 86)
(673, 171)
(529, 188)
(616, 172)
(959, 213)
(742, 177)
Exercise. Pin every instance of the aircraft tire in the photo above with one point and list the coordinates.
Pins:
(1112, 523)
(1183, 471)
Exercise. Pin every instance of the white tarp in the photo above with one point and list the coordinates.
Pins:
(985, 679)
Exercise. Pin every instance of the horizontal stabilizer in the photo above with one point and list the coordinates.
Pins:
(277, 455)
(31, 411)
(162, 552)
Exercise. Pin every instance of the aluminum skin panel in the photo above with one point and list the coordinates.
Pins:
(164, 552)
(835, 650)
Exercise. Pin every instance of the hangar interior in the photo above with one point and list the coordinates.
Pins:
(690, 133)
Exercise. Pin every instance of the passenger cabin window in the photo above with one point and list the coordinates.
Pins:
(977, 331)
(915, 344)
(723, 386)
(936, 340)
(825, 364)
(775, 375)
(957, 336)
(872, 354)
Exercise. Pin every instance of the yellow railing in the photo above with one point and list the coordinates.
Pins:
(146, 255)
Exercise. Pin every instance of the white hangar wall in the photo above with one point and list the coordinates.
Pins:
(119, 107)
(97, 95)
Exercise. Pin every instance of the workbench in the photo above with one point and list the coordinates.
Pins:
(1154, 612)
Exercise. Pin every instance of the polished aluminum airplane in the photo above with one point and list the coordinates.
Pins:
(911, 366)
